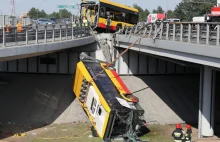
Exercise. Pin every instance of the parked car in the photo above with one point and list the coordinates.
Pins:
(45, 22)
(66, 21)
(53, 19)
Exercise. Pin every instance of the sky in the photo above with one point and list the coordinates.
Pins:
(23, 6)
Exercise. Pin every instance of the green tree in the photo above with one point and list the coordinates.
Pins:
(36, 13)
(64, 13)
(187, 9)
(158, 10)
(142, 13)
(170, 14)
(33, 13)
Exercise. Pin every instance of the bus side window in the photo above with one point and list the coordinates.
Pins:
(102, 12)
(100, 111)
(93, 105)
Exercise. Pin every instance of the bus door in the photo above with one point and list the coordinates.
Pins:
(100, 118)
(96, 109)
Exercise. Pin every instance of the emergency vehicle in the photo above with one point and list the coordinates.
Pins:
(152, 18)
(110, 106)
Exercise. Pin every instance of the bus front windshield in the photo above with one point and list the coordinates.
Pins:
(90, 12)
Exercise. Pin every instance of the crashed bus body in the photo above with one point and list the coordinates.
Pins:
(110, 106)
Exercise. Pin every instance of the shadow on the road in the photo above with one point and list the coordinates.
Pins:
(31, 101)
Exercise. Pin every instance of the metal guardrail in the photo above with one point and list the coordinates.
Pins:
(42, 34)
(199, 33)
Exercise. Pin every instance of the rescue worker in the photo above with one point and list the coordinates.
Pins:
(19, 27)
(178, 134)
(108, 24)
(188, 135)
(7, 28)
(85, 21)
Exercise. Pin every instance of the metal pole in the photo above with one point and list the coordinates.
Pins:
(198, 33)
(36, 34)
(174, 31)
(181, 32)
(72, 27)
(53, 33)
(189, 33)
(45, 35)
(3, 39)
(217, 37)
(167, 32)
(16, 43)
(66, 31)
(207, 34)
(26, 36)
(60, 32)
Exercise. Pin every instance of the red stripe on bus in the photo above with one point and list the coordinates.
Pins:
(101, 25)
(120, 82)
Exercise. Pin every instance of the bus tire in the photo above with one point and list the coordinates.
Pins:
(94, 133)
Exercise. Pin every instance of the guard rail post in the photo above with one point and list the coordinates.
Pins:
(207, 34)
(167, 32)
(84, 29)
(136, 29)
(155, 29)
(26, 31)
(36, 34)
(189, 32)
(72, 30)
(198, 33)
(3, 30)
(45, 34)
(60, 32)
(131, 30)
(151, 28)
(66, 31)
(16, 42)
(80, 29)
(174, 31)
(53, 40)
(161, 30)
(88, 29)
(217, 36)
(181, 32)
(76, 32)
(145, 31)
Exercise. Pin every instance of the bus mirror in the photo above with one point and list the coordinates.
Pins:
(108, 13)
(123, 14)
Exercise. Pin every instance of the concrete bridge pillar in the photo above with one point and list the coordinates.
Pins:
(207, 83)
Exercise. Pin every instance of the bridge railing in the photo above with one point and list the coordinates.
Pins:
(199, 33)
(42, 34)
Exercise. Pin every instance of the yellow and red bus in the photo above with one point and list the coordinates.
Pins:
(110, 106)
(120, 15)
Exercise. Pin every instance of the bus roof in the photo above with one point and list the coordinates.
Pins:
(119, 5)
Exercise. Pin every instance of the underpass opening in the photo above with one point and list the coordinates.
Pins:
(168, 89)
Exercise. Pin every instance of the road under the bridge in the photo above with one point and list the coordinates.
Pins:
(36, 100)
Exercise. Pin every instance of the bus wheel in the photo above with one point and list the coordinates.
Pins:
(94, 133)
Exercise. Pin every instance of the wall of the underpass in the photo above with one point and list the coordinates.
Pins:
(138, 63)
(63, 62)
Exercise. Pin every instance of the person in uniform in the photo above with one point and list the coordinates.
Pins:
(188, 135)
(108, 24)
(178, 134)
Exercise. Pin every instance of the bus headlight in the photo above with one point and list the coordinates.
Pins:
(208, 18)
(137, 127)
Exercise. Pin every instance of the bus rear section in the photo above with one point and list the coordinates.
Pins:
(119, 14)
(110, 109)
